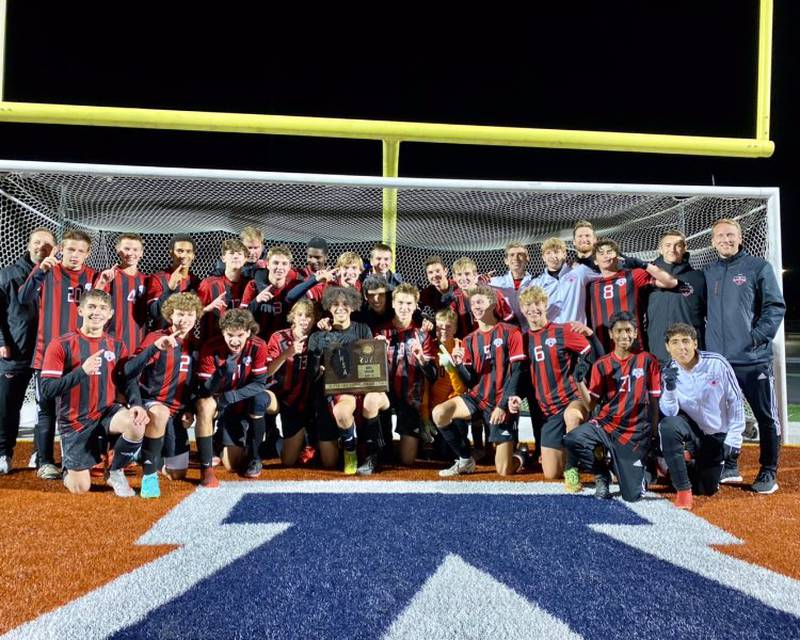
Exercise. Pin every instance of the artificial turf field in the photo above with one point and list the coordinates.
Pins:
(305, 553)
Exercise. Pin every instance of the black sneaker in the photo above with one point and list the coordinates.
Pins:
(253, 469)
(730, 473)
(601, 488)
(369, 465)
(765, 482)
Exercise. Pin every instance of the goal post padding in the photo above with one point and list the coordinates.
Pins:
(449, 218)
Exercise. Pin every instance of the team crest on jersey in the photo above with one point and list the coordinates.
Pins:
(109, 355)
(247, 360)
(550, 342)
(739, 279)
(497, 342)
(620, 282)
(638, 372)
(686, 289)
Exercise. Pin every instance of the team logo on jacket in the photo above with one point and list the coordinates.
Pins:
(686, 289)
(620, 282)
(739, 279)
(638, 372)
(550, 342)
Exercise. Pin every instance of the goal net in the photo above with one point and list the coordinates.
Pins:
(449, 218)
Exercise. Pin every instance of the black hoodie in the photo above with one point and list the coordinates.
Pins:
(685, 303)
(18, 322)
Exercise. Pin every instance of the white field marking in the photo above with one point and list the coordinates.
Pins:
(209, 545)
(443, 609)
(684, 540)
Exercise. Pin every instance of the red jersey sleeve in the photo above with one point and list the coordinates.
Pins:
(315, 292)
(250, 293)
(204, 292)
(576, 343)
(429, 348)
(597, 383)
(503, 309)
(273, 347)
(207, 365)
(654, 378)
(641, 278)
(53, 365)
(154, 289)
(516, 350)
(260, 360)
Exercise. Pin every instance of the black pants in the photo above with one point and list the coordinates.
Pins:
(757, 382)
(45, 432)
(678, 434)
(12, 394)
(585, 442)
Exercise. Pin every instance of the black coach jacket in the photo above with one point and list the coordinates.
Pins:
(18, 322)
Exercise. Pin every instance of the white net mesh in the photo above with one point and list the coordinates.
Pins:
(476, 220)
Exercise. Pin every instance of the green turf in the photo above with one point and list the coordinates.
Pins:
(794, 413)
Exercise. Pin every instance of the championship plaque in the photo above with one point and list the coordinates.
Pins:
(356, 368)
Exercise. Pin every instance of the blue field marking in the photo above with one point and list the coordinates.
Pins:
(350, 564)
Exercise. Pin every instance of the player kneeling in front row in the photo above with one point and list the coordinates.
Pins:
(627, 386)
(490, 363)
(163, 366)
(338, 413)
(287, 363)
(232, 379)
(703, 415)
(80, 369)
(555, 352)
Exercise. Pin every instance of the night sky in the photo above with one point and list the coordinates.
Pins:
(676, 67)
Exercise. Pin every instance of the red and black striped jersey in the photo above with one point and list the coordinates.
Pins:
(158, 291)
(491, 354)
(129, 300)
(550, 351)
(59, 292)
(466, 322)
(624, 389)
(252, 362)
(619, 292)
(318, 290)
(211, 288)
(406, 378)
(167, 376)
(430, 298)
(293, 378)
(85, 402)
(270, 315)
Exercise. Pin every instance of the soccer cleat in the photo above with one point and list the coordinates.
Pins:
(766, 482)
(5, 465)
(601, 489)
(119, 483)
(730, 473)
(208, 479)
(369, 466)
(572, 480)
(307, 454)
(48, 471)
(684, 499)
(350, 462)
(150, 488)
(253, 469)
(461, 467)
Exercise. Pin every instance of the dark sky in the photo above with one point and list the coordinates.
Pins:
(666, 67)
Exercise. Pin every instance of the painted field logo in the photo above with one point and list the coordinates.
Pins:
(344, 559)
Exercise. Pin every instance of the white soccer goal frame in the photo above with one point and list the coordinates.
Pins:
(770, 194)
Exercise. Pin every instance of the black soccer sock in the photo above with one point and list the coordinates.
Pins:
(258, 428)
(455, 440)
(372, 432)
(151, 454)
(348, 437)
(477, 433)
(205, 448)
(124, 452)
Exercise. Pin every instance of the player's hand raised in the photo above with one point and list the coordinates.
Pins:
(51, 260)
(266, 295)
(579, 327)
(296, 348)
(325, 275)
(217, 304)
(325, 324)
(670, 377)
(457, 354)
(177, 277)
(427, 326)
(168, 341)
(106, 277)
(91, 366)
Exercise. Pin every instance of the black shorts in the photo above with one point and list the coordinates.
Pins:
(82, 449)
(326, 423)
(409, 421)
(293, 420)
(553, 430)
(233, 428)
(176, 437)
(504, 432)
